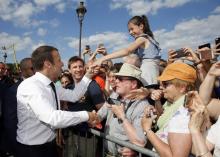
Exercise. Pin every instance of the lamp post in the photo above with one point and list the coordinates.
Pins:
(5, 49)
(81, 10)
(5, 57)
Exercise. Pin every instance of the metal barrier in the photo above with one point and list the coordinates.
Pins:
(140, 150)
(88, 149)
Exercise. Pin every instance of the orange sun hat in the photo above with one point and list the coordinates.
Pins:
(180, 71)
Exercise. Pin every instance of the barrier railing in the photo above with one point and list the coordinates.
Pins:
(138, 149)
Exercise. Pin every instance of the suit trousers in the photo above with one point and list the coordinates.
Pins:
(43, 150)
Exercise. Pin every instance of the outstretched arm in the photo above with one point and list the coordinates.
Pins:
(206, 88)
(123, 52)
(198, 112)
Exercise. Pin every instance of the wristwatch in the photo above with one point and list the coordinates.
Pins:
(145, 132)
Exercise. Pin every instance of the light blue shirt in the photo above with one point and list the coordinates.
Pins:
(152, 52)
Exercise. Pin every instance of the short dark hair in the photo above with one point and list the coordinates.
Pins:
(75, 59)
(24, 63)
(2, 63)
(42, 54)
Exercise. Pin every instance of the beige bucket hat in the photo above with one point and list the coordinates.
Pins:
(129, 70)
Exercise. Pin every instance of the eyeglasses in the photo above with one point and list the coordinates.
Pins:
(165, 84)
(121, 78)
(104, 66)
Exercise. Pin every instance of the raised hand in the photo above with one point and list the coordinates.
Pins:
(127, 152)
(156, 94)
(216, 49)
(199, 120)
(138, 94)
(148, 118)
(86, 51)
(92, 70)
(101, 50)
(215, 69)
(118, 110)
(171, 56)
(190, 55)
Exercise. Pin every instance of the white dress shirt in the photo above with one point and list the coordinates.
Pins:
(37, 114)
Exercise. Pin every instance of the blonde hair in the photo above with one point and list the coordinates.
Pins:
(179, 83)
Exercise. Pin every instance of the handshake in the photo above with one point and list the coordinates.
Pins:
(93, 120)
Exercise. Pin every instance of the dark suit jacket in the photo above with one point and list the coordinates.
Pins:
(9, 116)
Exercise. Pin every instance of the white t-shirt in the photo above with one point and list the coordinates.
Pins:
(177, 124)
(214, 137)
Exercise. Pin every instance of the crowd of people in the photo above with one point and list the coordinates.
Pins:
(171, 107)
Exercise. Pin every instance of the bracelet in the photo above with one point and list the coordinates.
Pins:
(145, 132)
(201, 155)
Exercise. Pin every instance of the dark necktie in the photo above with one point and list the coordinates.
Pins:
(54, 90)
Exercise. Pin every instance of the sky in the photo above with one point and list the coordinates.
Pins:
(175, 23)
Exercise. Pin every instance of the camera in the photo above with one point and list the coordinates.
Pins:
(100, 45)
(217, 42)
(87, 47)
(180, 53)
(112, 101)
(207, 53)
(204, 45)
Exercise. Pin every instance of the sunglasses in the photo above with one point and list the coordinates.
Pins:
(122, 78)
(165, 84)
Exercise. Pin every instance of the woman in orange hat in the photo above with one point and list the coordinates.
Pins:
(173, 137)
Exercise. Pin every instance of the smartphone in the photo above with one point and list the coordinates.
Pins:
(204, 45)
(87, 47)
(112, 101)
(180, 53)
(217, 41)
(206, 54)
(100, 45)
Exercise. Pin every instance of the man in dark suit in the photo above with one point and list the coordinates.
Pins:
(10, 107)
(5, 83)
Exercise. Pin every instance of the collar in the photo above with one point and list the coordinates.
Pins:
(44, 79)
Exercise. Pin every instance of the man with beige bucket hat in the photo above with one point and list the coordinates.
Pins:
(123, 115)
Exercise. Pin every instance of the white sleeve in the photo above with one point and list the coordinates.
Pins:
(40, 103)
(77, 93)
(179, 122)
(213, 132)
(103, 112)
